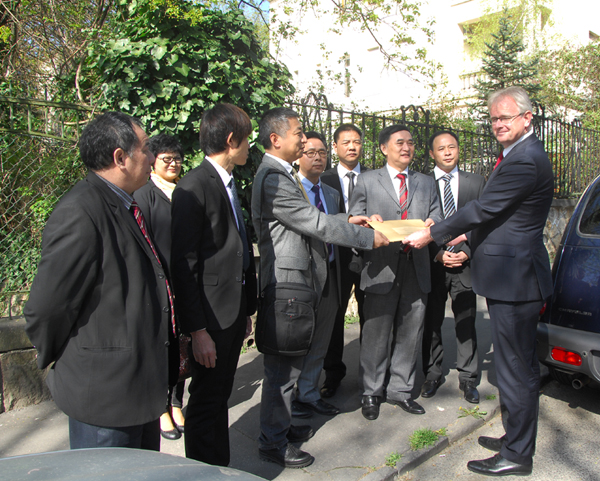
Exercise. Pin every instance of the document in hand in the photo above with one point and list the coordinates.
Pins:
(396, 230)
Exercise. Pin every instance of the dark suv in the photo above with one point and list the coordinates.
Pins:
(569, 329)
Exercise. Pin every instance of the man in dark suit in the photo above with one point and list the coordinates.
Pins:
(396, 281)
(326, 199)
(291, 239)
(213, 273)
(451, 274)
(100, 309)
(347, 144)
(510, 267)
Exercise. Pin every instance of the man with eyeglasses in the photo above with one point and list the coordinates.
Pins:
(396, 281)
(326, 199)
(510, 268)
(347, 145)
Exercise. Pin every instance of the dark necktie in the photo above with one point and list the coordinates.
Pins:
(319, 205)
(403, 198)
(240, 222)
(139, 217)
(449, 205)
(499, 160)
(351, 178)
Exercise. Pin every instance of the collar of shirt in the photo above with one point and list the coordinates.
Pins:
(286, 165)
(506, 151)
(439, 173)
(308, 185)
(393, 173)
(342, 171)
(225, 176)
(123, 196)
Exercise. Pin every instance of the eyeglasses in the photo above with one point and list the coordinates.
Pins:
(168, 159)
(311, 154)
(505, 119)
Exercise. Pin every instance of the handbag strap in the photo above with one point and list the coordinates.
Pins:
(262, 198)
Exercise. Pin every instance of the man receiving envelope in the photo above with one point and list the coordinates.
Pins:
(395, 279)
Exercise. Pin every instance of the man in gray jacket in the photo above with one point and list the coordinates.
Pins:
(291, 239)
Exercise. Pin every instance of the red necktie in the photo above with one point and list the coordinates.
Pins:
(139, 217)
(499, 160)
(403, 198)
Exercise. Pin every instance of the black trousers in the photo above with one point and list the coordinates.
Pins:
(514, 329)
(333, 364)
(143, 436)
(207, 419)
(464, 307)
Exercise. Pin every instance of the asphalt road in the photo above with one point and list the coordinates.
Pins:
(568, 441)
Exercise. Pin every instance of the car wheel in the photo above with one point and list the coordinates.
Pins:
(561, 376)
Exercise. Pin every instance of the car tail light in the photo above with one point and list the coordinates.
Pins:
(543, 309)
(562, 355)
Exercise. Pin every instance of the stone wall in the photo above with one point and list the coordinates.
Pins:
(22, 383)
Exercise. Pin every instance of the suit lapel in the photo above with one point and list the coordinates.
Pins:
(386, 183)
(413, 186)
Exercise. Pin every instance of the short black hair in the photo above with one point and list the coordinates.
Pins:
(385, 134)
(105, 134)
(346, 128)
(441, 132)
(276, 121)
(163, 143)
(220, 121)
(316, 135)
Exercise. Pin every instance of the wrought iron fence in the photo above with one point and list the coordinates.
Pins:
(39, 162)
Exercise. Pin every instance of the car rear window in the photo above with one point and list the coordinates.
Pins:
(590, 219)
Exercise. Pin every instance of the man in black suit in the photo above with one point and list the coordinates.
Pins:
(510, 267)
(347, 144)
(100, 309)
(451, 274)
(213, 273)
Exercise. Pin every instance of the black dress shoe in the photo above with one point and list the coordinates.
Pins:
(299, 411)
(172, 434)
(430, 388)
(329, 388)
(180, 428)
(409, 405)
(370, 407)
(319, 406)
(471, 393)
(493, 444)
(288, 456)
(498, 466)
(299, 434)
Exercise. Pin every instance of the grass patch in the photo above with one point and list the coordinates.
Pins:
(490, 397)
(348, 320)
(475, 412)
(392, 458)
(424, 437)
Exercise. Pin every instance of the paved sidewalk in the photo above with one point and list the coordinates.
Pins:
(346, 447)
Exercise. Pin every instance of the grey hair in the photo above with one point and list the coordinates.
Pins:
(518, 94)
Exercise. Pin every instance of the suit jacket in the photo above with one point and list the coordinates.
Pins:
(207, 254)
(99, 310)
(509, 260)
(331, 178)
(375, 194)
(156, 208)
(292, 233)
(470, 187)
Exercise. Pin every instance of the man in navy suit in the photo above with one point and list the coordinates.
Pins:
(214, 275)
(347, 144)
(451, 274)
(99, 310)
(510, 267)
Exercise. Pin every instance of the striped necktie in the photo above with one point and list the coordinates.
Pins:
(449, 205)
(139, 217)
(403, 198)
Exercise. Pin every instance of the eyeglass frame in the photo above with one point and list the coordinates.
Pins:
(507, 120)
(313, 153)
(171, 159)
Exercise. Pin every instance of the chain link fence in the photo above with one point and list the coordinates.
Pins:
(39, 162)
